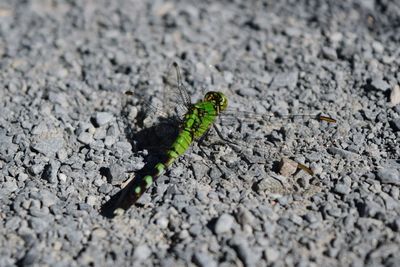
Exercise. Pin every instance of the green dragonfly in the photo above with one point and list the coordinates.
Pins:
(195, 120)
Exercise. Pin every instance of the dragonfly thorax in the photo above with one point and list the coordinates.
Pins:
(218, 99)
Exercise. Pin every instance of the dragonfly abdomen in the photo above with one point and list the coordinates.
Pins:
(197, 121)
(178, 148)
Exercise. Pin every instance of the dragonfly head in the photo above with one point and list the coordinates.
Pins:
(218, 98)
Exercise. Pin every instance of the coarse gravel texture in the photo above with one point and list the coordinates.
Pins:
(69, 136)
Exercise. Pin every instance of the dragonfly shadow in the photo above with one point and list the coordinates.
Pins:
(156, 140)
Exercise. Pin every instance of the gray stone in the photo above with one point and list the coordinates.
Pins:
(329, 53)
(7, 148)
(62, 177)
(74, 236)
(342, 188)
(311, 217)
(86, 138)
(204, 260)
(341, 152)
(13, 223)
(215, 174)
(296, 219)
(247, 91)
(287, 167)
(162, 222)
(102, 118)
(117, 174)
(142, 252)
(38, 224)
(244, 216)
(50, 171)
(228, 76)
(91, 200)
(8, 187)
(62, 154)
(105, 188)
(48, 146)
(109, 141)
(31, 257)
(245, 254)
(378, 47)
(271, 254)
(48, 198)
(389, 176)
(22, 177)
(395, 96)
(195, 229)
(36, 169)
(100, 133)
(293, 31)
(224, 224)
(286, 223)
(380, 84)
(285, 80)
(123, 146)
(99, 233)
(370, 209)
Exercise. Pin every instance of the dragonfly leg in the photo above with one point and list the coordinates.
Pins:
(222, 137)
(201, 143)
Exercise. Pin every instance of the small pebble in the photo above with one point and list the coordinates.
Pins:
(244, 217)
(204, 260)
(117, 174)
(48, 147)
(341, 152)
(162, 222)
(389, 176)
(86, 138)
(102, 118)
(109, 141)
(48, 198)
(38, 224)
(99, 233)
(378, 47)
(247, 92)
(285, 80)
(245, 254)
(287, 167)
(224, 224)
(342, 188)
(329, 53)
(395, 95)
(380, 84)
(141, 253)
(62, 177)
(91, 200)
(22, 177)
(271, 254)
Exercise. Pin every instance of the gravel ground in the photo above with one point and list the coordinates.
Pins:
(69, 136)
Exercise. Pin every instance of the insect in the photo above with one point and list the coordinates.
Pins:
(198, 118)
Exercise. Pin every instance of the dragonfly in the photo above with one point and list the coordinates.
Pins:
(195, 120)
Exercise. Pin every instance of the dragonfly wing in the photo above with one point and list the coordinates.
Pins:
(183, 92)
(176, 99)
(234, 115)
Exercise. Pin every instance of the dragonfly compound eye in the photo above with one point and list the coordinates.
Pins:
(218, 98)
(223, 101)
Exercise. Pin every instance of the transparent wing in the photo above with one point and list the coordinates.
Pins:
(231, 115)
(272, 136)
(176, 100)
